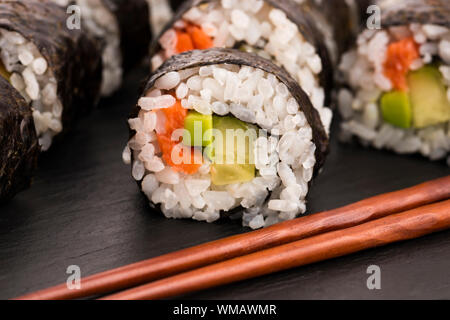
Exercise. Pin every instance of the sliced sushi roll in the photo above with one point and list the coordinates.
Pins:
(123, 27)
(220, 130)
(56, 70)
(283, 31)
(398, 78)
(19, 147)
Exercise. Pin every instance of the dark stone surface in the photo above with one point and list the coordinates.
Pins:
(85, 209)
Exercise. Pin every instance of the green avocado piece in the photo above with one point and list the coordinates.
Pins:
(428, 95)
(232, 153)
(198, 129)
(396, 109)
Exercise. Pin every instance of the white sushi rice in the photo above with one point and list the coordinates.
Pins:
(284, 159)
(31, 76)
(161, 13)
(102, 24)
(362, 69)
(259, 25)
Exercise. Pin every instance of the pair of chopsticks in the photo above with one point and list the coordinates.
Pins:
(376, 221)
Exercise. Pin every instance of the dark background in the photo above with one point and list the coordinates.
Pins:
(85, 209)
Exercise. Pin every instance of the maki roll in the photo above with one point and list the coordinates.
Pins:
(123, 28)
(398, 79)
(220, 130)
(56, 70)
(281, 31)
(19, 147)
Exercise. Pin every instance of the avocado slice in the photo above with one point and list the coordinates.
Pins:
(198, 129)
(428, 95)
(232, 151)
(396, 109)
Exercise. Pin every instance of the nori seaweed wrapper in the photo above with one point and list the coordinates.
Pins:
(215, 56)
(19, 147)
(294, 13)
(363, 5)
(397, 13)
(415, 11)
(338, 20)
(133, 17)
(71, 55)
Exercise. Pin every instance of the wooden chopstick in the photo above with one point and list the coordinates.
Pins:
(403, 226)
(224, 249)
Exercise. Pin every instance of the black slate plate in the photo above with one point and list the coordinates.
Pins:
(84, 209)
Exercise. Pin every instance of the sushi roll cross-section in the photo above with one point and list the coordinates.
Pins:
(281, 31)
(161, 13)
(220, 130)
(398, 77)
(19, 147)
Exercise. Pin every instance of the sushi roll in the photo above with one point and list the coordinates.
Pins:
(277, 30)
(123, 27)
(55, 69)
(397, 80)
(19, 147)
(220, 130)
